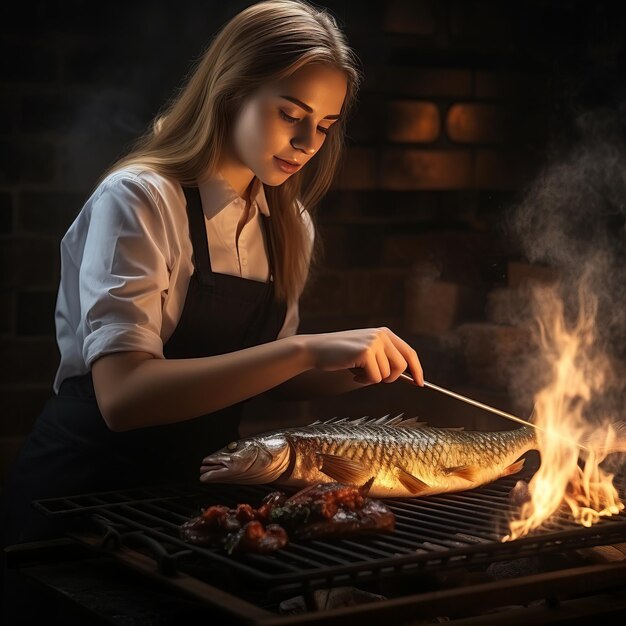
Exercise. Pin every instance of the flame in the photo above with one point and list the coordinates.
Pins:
(572, 448)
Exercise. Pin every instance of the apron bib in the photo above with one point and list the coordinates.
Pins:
(70, 449)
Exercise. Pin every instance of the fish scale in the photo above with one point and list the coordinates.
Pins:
(405, 458)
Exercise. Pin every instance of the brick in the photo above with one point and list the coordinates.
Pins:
(91, 63)
(6, 213)
(512, 85)
(493, 353)
(7, 307)
(365, 121)
(506, 306)
(485, 25)
(434, 307)
(23, 63)
(29, 161)
(455, 255)
(358, 170)
(501, 169)
(344, 246)
(20, 408)
(48, 113)
(372, 292)
(28, 263)
(420, 82)
(49, 212)
(318, 323)
(410, 121)
(426, 169)
(410, 16)
(8, 112)
(32, 361)
(35, 313)
(9, 165)
(521, 274)
(475, 123)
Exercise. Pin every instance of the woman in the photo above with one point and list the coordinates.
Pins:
(181, 275)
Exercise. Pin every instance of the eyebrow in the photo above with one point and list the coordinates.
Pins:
(307, 108)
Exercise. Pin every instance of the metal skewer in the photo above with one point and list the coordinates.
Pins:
(486, 407)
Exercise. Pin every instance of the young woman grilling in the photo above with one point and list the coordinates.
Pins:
(181, 275)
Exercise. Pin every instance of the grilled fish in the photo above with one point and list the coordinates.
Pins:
(405, 457)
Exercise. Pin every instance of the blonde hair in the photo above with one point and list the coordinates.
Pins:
(267, 41)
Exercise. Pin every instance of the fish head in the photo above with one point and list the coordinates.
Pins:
(253, 460)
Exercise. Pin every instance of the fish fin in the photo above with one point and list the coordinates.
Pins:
(410, 482)
(456, 428)
(366, 486)
(469, 472)
(410, 422)
(513, 468)
(383, 420)
(343, 470)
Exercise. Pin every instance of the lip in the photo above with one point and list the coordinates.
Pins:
(286, 166)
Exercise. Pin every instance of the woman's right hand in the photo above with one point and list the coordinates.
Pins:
(378, 353)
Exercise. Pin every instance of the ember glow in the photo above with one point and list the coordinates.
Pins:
(571, 444)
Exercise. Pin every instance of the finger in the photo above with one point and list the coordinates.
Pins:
(383, 364)
(397, 362)
(410, 355)
(370, 372)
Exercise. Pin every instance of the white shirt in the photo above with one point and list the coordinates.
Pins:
(126, 261)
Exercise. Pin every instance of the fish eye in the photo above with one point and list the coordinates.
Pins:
(232, 446)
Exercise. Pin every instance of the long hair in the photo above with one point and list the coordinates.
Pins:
(267, 41)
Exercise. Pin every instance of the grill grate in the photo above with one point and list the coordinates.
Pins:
(432, 533)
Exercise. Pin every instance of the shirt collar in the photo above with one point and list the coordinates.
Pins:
(217, 194)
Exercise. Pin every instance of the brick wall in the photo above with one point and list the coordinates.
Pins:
(452, 122)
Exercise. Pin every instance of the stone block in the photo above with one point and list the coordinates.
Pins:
(414, 17)
(522, 274)
(405, 169)
(494, 353)
(501, 169)
(412, 121)
(425, 82)
(434, 307)
(358, 170)
(507, 306)
(479, 123)
(28, 262)
(48, 212)
(32, 361)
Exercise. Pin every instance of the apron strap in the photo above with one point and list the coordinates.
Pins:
(198, 234)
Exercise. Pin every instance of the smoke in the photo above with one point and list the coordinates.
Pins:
(573, 219)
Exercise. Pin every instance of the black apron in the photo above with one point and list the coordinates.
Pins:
(70, 449)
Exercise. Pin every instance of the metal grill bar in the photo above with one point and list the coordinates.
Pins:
(431, 533)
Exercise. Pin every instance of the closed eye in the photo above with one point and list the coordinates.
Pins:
(293, 120)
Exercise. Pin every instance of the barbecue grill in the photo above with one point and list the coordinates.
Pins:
(445, 558)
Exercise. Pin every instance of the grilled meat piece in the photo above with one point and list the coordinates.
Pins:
(321, 510)
(333, 510)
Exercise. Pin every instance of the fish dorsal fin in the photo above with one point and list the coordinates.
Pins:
(412, 483)
(469, 472)
(342, 469)
(411, 422)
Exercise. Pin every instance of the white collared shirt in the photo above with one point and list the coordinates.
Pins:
(126, 261)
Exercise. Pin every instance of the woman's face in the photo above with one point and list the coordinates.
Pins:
(288, 120)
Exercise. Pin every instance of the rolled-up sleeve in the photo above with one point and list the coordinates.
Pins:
(124, 272)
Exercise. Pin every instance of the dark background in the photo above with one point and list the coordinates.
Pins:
(463, 104)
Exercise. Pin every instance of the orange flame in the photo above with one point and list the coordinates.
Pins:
(571, 448)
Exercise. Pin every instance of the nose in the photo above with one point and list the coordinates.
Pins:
(304, 141)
